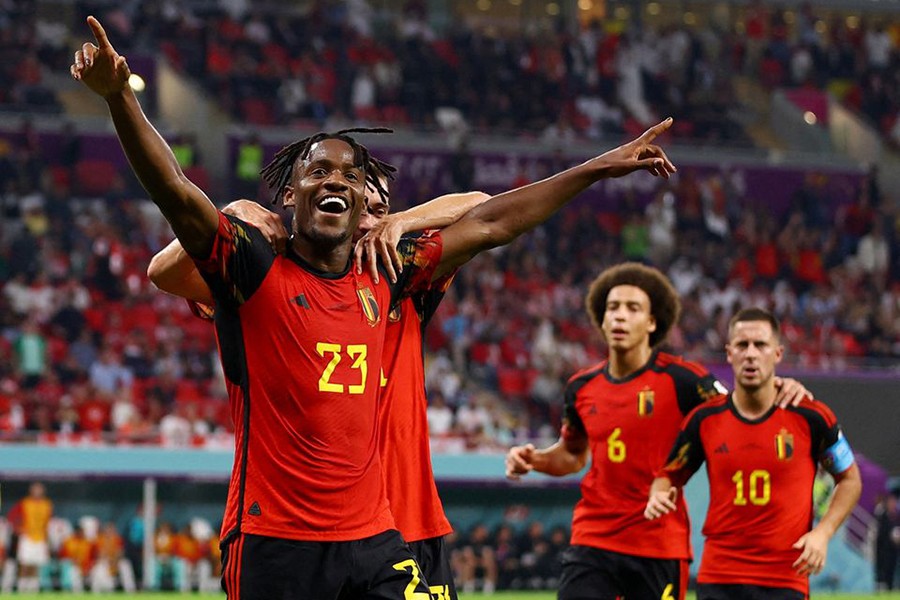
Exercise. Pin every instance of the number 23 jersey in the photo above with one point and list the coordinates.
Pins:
(302, 352)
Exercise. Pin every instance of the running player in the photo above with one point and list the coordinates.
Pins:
(624, 415)
(762, 462)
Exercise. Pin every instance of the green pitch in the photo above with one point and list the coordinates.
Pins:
(498, 596)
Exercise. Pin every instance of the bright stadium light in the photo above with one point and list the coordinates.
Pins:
(585, 4)
(552, 9)
(810, 117)
(137, 82)
(653, 8)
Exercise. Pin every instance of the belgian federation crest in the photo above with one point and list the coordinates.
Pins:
(784, 445)
(645, 403)
(369, 305)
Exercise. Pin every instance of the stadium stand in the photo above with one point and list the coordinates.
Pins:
(91, 354)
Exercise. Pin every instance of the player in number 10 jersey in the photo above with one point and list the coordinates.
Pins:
(762, 464)
(624, 413)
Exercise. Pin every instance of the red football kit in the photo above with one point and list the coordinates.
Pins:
(402, 417)
(631, 424)
(302, 353)
(761, 475)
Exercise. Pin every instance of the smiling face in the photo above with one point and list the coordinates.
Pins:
(627, 320)
(327, 194)
(753, 351)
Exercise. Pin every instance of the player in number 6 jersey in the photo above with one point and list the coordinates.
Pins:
(625, 412)
(761, 464)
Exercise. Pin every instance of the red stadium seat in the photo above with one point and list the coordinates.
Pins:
(257, 111)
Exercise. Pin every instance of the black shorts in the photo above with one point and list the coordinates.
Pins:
(434, 560)
(264, 568)
(742, 591)
(595, 574)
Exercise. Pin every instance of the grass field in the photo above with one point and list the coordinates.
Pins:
(498, 596)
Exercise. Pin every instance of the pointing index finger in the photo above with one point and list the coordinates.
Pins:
(656, 130)
(99, 33)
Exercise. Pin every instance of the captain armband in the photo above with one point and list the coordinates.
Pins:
(839, 457)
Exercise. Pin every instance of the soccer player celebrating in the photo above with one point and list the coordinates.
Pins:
(624, 413)
(761, 463)
(301, 340)
(403, 439)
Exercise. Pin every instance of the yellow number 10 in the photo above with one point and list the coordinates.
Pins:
(758, 479)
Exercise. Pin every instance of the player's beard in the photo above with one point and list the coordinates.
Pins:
(323, 240)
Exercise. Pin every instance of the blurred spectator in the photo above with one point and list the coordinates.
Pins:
(887, 542)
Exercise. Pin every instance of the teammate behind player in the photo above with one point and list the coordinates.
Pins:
(404, 441)
(761, 464)
(624, 414)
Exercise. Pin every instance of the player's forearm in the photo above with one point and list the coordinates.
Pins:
(558, 461)
(192, 216)
(172, 270)
(440, 212)
(845, 496)
(510, 214)
(660, 484)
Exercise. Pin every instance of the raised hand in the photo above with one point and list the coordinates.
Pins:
(639, 154)
(268, 223)
(99, 66)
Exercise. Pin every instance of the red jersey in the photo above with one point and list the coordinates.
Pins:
(761, 477)
(630, 425)
(405, 449)
(301, 352)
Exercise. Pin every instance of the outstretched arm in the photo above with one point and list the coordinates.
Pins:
(814, 545)
(193, 217)
(510, 214)
(173, 271)
(435, 214)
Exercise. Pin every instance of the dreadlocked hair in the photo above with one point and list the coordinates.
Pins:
(277, 174)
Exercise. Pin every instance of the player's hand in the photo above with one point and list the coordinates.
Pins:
(790, 392)
(814, 546)
(661, 503)
(99, 66)
(381, 241)
(639, 154)
(519, 461)
(268, 223)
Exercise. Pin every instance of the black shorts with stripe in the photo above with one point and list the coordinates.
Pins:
(433, 557)
(256, 567)
(595, 574)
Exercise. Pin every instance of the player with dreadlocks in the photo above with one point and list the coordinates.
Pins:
(402, 417)
(301, 340)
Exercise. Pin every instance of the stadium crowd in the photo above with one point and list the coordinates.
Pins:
(90, 350)
(345, 61)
